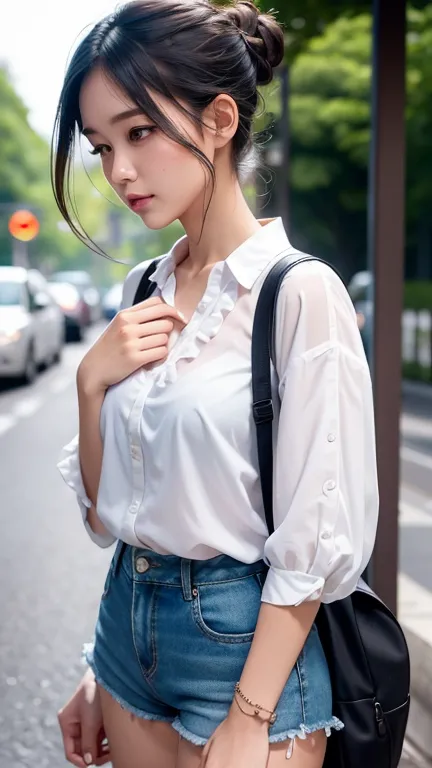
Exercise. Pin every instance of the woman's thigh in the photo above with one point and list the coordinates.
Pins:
(306, 753)
(135, 742)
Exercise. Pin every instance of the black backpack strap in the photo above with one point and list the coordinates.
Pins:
(262, 353)
(146, 286)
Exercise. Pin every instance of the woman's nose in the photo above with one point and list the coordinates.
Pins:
(122, 171)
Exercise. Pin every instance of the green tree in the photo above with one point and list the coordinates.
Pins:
(330, 128)
(303, 19)
(25, 182)
(330, 136)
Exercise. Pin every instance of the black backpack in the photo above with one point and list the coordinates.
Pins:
(365, 648)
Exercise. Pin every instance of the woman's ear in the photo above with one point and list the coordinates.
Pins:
(222, 118)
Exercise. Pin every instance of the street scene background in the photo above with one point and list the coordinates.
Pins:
(314, 135)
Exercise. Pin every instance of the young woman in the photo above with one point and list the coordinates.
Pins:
(206, 651)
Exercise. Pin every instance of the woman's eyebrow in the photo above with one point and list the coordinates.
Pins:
(116, 119)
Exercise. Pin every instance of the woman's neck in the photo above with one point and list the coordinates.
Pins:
(228, 223)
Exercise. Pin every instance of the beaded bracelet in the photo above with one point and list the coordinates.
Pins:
(256, 707)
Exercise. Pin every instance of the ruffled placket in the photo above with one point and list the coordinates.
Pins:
(218, 301)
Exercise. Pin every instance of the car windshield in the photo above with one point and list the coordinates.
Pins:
(10, 294)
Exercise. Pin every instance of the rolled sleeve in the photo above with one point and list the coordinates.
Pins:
(325, 491)
(70, 470)
(284, 587)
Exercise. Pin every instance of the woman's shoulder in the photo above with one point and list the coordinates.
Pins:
(314, 311)
(312, 275)
(316, 284)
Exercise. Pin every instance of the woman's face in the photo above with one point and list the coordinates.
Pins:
(138, 160)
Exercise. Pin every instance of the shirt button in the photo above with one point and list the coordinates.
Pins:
(331, 437)
(325, 535)
(330, 485)
(142, 565)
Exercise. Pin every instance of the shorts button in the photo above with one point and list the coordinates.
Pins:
(142, 564)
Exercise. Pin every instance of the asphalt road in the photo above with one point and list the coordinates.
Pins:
(52, 575)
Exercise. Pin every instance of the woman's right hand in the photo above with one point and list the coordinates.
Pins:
(81, 726)
(136, 337)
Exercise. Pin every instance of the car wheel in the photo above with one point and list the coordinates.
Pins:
(30, 370)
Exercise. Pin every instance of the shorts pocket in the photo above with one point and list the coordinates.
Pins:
(227, 611)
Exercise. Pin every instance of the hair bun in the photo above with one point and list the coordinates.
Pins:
(262, 35)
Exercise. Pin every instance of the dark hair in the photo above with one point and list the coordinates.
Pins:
(188, 51)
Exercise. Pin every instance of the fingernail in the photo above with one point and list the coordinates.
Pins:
(182, 317)
(88, 758)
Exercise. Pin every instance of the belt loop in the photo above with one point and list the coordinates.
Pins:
(118, 554)
(186, 578)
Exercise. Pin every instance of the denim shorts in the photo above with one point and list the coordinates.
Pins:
(173, 636)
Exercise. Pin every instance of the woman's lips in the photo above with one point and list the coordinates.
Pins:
(140, 203)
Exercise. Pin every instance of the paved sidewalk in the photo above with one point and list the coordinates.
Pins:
(410, 759)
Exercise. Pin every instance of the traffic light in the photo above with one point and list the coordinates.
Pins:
(23, 225)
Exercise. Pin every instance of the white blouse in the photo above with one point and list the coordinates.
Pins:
(180, 467)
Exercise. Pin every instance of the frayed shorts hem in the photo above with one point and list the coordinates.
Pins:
(290, 735)
(302, 732)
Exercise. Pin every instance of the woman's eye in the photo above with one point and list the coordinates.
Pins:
(101, 149)
(136, 134)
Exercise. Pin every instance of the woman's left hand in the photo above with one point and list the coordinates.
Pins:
(239, 741)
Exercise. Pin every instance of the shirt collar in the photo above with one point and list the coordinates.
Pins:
(245, 263)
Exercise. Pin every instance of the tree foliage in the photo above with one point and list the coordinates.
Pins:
(330, 135)
(25, 182)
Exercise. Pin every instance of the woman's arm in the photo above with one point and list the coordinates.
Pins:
(137, 337)
(325, 496)
(280, 635)
(90, 446)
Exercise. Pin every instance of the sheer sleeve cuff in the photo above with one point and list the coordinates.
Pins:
(70, 470)
(291, 587)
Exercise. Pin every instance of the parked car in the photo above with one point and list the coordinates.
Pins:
(111, 301)
(74, 309)
(86, 288)
(360, 289)
(31, 324)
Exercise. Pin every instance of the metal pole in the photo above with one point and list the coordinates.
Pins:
(386, 257)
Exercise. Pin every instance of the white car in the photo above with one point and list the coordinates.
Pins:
(32, 326)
